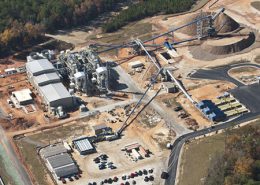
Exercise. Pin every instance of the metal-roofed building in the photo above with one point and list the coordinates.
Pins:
(83, 146)
(52, 150)
(60, 160)
(38, 67)
(45, 79)
(56, 95)
(62, 165)
(66, 171)
(23, 96)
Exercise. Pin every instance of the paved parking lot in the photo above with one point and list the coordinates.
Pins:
(249, 96)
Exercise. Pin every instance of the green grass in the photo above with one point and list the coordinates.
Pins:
(196, 159)
(33, 161)
(197, 156)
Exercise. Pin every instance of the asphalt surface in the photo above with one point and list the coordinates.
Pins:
(247, 95)
(220, 73)
(125, 80)
(177, 145)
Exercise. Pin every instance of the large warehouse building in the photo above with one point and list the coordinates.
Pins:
(59, 161)
(43, 76)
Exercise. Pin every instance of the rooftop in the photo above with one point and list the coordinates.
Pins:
(169, 84)
(54, 91)
(37, 66)
(53, 150)
(60, 160)
(98, 127)
(66, 171)
(83, 144)
(23, 95)
(48, 77)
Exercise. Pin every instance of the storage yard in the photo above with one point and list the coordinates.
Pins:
(92, 115)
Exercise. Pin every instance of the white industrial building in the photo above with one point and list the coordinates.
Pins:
(59, 161)
(83, 145)
(22, 97)
(43, 76)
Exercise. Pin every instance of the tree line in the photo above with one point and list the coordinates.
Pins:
(147, 8)
(24, 21)
(240, 163)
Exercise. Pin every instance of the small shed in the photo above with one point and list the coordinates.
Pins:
(10, 71)
(135, 64)
(83, 146)
(23, 96)
(169, 87)
(101, 129)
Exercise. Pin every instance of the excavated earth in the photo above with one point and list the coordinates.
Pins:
(223, 24)
(256, 5)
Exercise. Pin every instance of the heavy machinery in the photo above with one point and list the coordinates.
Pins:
(139, 46)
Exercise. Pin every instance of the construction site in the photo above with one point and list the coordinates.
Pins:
(109, 112)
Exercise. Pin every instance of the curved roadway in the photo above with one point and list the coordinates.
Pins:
(177, 145)
(219, 73)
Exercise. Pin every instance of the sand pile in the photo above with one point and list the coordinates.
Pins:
(223, 24)
(228, 45)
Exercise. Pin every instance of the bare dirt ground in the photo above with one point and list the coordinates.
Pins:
(246, 75)
(151, 133)
(203, 92)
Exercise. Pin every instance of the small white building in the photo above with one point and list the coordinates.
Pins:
(23, 97)
(10, 71)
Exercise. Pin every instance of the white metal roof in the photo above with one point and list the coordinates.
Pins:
(79, 74)
(101, 70)
(23, 95)
(48, 77)
(55, 91)
(37, 66)
(83, 144)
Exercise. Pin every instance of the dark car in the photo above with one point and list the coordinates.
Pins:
(146, 179)
(178, 108)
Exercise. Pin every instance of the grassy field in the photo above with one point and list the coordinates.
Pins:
(196, 159)
(133, 30)
(197, 156)
(33, 161)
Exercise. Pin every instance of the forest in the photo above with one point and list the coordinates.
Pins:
(147, 8)
(240, 163)
(22, 22)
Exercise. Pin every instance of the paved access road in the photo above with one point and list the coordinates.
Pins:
(220, 73)
(125, 78)
(177, 145)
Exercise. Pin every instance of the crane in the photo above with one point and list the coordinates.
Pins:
(138, 45)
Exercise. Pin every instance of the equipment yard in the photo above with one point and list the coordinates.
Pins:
(154, 141)
(116, 108)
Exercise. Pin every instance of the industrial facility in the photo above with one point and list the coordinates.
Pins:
(59, 161)
(44, 78)
(83, 146)
(84, 71)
